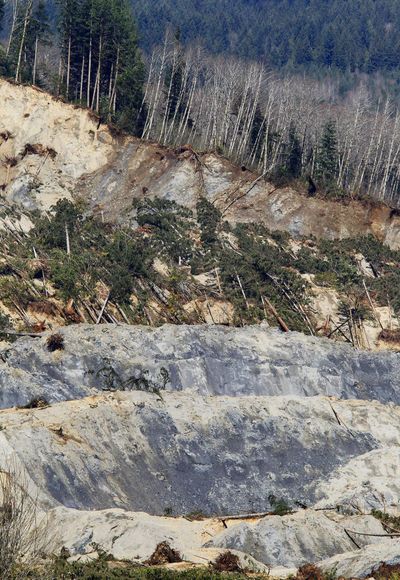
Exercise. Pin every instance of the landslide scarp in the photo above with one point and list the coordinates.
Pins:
(51, 150)
(204, 360)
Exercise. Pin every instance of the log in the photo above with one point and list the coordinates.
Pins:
(103, 309)
(280, 321)
(15, 333)
(372, 535)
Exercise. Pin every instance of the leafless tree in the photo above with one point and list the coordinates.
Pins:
(246, 112)
(24, 530)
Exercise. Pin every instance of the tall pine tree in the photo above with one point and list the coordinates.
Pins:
(174, 82)
(101, 63)
(30, 28)
(3, 60)
(328, 158)
(2, 9)
(38, 34)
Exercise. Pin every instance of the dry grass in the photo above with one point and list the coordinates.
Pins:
(387, 572)
(43, 307)
(38, 149)
(24, 535)
(164, 554)
(309, 572)
(55, 342)
(227, 562)
(390, 335)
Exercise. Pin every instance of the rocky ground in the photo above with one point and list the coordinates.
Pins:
(181, 433)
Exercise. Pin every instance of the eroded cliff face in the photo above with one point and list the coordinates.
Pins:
(46, 146)
(184, 452)
(206, 419)
(50, 150)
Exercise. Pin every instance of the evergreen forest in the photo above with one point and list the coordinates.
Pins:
(314, 35)
(293, 89)
(356, 35)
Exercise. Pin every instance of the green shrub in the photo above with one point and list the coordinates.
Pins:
(209, 218)
(279, 506)
(171, 225)
(51, 233)
(4, 322)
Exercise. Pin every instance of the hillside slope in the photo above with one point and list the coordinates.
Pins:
(188, 216)
(281, 447)
(50, 150)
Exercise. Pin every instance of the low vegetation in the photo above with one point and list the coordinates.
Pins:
(390, 522)
(55, 342)
(72, 268)
(103, 571)
(279, 506)
(313, 572)
(105, 567)
(227, 562)
(387, 572)
(24, 532)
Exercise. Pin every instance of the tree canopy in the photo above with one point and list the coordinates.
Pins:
(358, 35)
(103, 67)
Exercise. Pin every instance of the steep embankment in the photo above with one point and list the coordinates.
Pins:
(51, 150)
(215, 420)
(182, 453)
(207, 361)
(46, 146)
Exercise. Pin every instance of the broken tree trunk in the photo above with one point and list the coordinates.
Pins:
(280, 320)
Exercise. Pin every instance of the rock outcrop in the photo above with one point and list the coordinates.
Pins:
(46, 146)
(363, 563)
(287, 541)
(206, 360)
(183, 452)
(298, 539)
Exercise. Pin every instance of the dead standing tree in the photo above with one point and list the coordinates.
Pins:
(24, 531)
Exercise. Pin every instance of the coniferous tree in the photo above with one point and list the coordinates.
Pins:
(30, 28)
(68, 29)
(101, 62)
(174, 81)
(125, 104)
(2, 7)
(38, 33)
(257, 134)
(327, 158)
(3, 59)
(19, 40)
